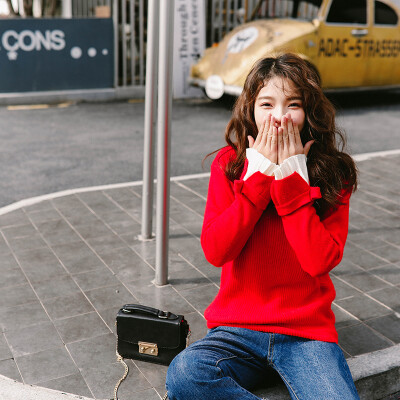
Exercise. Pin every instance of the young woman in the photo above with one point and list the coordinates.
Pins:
(276, 221)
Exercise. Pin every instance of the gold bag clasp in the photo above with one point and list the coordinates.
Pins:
(148, 348)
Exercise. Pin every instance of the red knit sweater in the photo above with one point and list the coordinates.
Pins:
(275, 253)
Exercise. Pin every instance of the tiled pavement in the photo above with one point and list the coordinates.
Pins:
(68, 264)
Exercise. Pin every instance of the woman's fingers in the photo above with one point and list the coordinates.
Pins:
(266, 141)
(283, 152)
(260, 132)
(274, 135)
(269, 135)
(273, 144)
(307, 146)
(268, 122)
(285, 132)
(292, 145)
(270, 130)
(291, 131)
(267, 127)
(283, 140)
(280, 145)
(297, 135)
(251, 141)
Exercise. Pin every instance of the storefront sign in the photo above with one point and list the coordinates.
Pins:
(55, 54)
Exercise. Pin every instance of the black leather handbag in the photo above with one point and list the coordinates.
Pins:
(148, 334)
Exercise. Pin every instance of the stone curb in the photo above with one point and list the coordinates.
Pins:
(56, 96)
(376, 374)
(13, 390)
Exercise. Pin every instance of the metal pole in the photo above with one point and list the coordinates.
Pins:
(66, 8)
(124, 42)
(149, 119)
(132, 18)
(141, 41)
(163, 138)
(116, 37)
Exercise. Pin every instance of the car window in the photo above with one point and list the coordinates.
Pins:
(384, 15)
(348, 12)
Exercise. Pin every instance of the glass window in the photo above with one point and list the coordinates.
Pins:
(385, 15)
(348, 12)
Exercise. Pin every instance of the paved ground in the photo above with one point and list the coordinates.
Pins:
(68, 264)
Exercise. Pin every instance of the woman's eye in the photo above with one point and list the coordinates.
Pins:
(266, 105)
(297, 105)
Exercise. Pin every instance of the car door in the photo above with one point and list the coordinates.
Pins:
(384, 60)
(342, 55)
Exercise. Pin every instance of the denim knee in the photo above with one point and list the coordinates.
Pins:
(178, 377)
(174, 378)
(187, 375)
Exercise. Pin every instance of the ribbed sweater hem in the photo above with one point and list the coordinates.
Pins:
(322, 335)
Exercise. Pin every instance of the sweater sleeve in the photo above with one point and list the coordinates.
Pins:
(318, 244)
(257, 162)
(232, 210)
(292, 164)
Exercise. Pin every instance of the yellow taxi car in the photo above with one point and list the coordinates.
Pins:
(353, 43)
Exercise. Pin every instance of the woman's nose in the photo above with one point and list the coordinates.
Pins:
(277, 118)
(278, 113)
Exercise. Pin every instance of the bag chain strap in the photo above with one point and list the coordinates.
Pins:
(121, 360)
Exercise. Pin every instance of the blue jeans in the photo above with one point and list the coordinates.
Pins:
(229, 362)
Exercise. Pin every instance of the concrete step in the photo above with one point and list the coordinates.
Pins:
(376, 375)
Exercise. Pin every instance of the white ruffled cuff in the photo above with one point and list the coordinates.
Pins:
(297, 163)
(258, 163)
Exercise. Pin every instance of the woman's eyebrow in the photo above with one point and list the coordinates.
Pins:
(294, 98)
(291, 98)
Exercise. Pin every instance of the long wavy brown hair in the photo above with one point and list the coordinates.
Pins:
(329, 166)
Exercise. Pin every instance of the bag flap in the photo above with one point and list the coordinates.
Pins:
(149, 325)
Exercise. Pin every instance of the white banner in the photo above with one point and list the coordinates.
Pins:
(189, 44)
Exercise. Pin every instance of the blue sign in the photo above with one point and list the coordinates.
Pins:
(56, 54)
